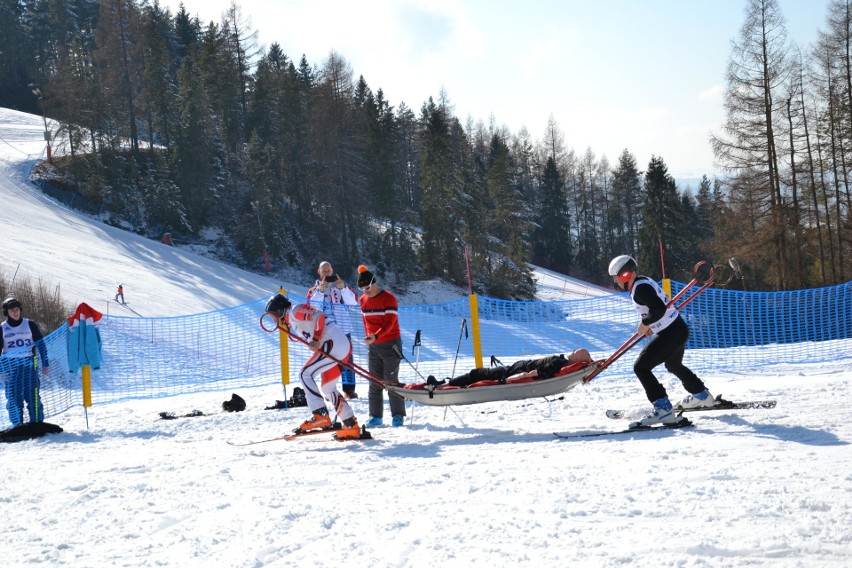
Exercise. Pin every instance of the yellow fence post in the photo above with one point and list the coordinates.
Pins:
(667, 287)
(474, 324)
(87, 386)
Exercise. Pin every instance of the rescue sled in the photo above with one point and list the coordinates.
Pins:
(496, 391)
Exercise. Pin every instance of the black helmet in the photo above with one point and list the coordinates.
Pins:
(10, 303)
(278, 305)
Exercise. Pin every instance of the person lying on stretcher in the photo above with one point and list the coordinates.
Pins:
(544, 368)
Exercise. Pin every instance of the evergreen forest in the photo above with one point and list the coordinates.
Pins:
(171, 124)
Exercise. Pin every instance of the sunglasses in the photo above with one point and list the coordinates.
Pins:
(367, 287)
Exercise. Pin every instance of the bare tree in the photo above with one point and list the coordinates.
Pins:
(833, 55)
(757, 72)
(810, 164)
(554, 141)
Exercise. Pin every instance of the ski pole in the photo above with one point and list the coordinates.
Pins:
(711, 279)
(463, 331)
(636, 337)
(399, 354)
(36, 381)
(417, 347)
(349, 364)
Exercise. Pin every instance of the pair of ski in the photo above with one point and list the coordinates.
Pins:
(365, 435)
(721, 404)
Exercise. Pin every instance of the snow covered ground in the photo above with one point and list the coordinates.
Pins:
(477, 485)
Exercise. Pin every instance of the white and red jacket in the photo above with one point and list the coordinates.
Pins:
(334, 302)
(309, 323)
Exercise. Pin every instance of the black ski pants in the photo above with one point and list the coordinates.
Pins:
(667, 347)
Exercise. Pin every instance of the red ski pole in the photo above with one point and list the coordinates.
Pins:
(636, 337)
(351, 365)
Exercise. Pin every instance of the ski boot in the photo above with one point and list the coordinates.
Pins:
(319, 421)
(702, 399)
(662, 414)
(350, 430)
(374, 421)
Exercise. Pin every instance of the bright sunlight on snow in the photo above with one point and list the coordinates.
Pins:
(484, 485)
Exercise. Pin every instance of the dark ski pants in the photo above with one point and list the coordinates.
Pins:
(667, 347)
(23, 386)
(384, 363)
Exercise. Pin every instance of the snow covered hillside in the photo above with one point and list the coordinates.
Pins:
(88, 259)
(485, 484)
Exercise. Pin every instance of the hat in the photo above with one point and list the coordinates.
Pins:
(365, 277)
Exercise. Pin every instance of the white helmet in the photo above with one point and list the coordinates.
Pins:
(622, 266)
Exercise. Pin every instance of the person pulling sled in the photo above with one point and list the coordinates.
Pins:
(328, 345)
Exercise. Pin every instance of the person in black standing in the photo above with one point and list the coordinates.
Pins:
(669, 334)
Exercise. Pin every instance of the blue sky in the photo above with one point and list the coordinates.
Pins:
(642, 75)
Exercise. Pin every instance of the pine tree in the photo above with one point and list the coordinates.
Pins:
(833, 54)
(527, 166)
(158, 88)
(17, 58)
(508, 226)
(242, 46)
(120, 70)
(337, 145)
(187, 33)
(408, 158)
(624, 206)
(194, 137)
(661, 224)
(552, 235)
(706, 211)
(441, 188)
(687, 237)
(590, 209)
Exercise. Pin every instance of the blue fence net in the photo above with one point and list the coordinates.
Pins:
(226, 349)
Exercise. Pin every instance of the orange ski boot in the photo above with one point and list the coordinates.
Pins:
(319, 421)
(350, 430)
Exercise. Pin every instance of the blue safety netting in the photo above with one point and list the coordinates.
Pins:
(226, 349)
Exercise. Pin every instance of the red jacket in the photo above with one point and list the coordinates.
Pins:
(380, 316)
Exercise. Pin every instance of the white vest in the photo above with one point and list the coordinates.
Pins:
(671, 312)
(17, 337)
